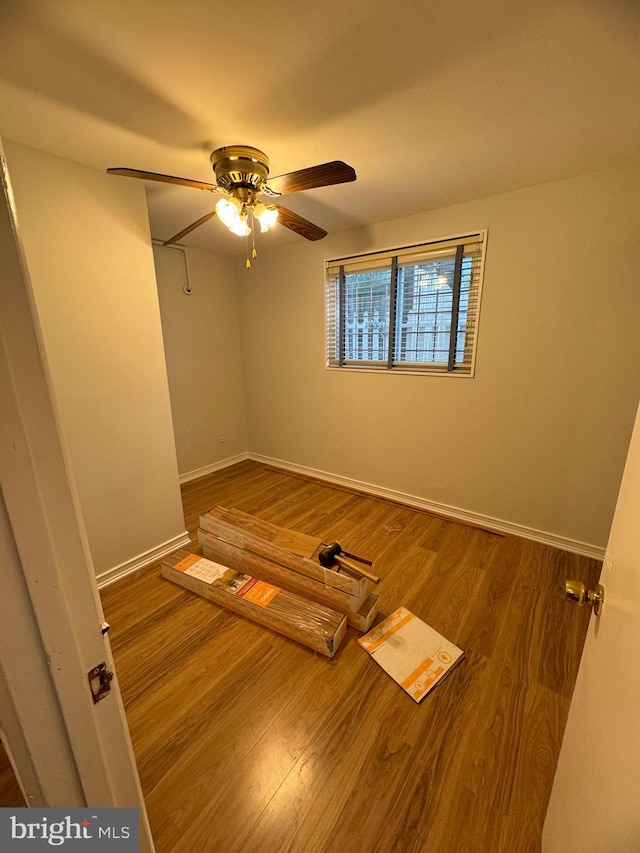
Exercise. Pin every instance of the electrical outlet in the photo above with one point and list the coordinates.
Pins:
(221, 438)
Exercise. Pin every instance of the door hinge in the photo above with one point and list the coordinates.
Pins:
(99, 682)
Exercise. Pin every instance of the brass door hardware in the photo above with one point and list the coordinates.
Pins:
(577, 592)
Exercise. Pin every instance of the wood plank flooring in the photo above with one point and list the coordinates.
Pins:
(248, 742)
(10, 793)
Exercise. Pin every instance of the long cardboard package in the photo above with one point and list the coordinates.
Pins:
(313, 625)
(359, 615)
(287, 547)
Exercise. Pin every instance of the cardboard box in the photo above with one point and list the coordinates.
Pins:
(268, 540)
(360, 613)
(411, 652)
(313, 625)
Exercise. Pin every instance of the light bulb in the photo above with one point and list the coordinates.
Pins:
(229, 211)
(266, 216)
(226, 211)
(240, 226)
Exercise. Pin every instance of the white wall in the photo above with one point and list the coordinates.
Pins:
(204, 363)
(538, 438)
(89, 255)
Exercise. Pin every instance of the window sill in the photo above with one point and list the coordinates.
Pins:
(405, 371)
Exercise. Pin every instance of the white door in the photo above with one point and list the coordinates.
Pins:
(595, 801)
(67, 750)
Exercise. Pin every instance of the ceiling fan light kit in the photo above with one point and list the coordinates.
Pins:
(232, 212)
(242, 175)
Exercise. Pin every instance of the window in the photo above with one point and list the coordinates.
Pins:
(414, 308)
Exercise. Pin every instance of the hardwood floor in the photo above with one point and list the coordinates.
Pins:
(246, 741)
(10, 793)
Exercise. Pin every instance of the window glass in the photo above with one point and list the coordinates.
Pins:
(414, 308)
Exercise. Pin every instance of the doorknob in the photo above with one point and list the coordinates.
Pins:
(577, 592)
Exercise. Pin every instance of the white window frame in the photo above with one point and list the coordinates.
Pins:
(453, 357)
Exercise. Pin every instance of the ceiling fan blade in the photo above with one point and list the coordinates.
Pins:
(324, 175)
(190, 228)
(300, 225)
(165, 179)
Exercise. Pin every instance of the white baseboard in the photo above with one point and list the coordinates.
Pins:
(142, 560)
(209, 469)
(496, 525)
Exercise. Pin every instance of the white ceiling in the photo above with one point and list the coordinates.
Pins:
(433, 102)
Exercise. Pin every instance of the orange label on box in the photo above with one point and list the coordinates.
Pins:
(228, 580)
(189, 561)
(381, 633)
(415, 675)
(259, 592)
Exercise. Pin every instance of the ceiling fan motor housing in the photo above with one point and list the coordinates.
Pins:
(240, 166)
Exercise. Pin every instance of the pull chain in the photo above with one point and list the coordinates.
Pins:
(254, 254)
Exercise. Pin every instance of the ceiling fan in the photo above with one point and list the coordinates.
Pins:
(242, 177)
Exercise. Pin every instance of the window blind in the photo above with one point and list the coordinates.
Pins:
(411, 308)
